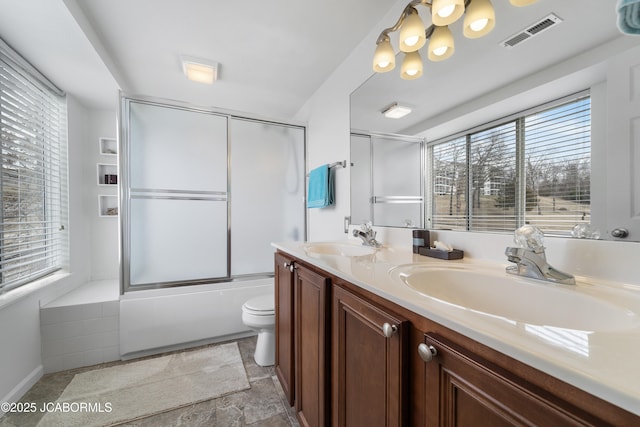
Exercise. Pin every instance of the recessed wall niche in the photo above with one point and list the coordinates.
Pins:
(108, 146)
(108, 206)
(107, 174)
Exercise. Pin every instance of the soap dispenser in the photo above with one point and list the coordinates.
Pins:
(420, 239)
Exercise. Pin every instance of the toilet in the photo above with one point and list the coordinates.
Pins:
(259, 314)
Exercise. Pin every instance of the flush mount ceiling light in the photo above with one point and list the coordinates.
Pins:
(522, 2)
(479, 20)
(199, 70)
(395, 111)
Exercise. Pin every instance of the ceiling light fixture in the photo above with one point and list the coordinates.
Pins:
(479, 20)
(522, 2)
(395, 111)
(199, 70)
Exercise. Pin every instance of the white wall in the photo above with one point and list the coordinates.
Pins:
(103, 232)
(327, 115)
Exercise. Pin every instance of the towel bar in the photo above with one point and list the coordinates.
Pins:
(336, 164)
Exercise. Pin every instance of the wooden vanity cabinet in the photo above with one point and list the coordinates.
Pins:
(285, 350)
(346, 368)
(302, 338)
(369, 368)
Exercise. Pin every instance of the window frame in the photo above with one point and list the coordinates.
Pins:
(518, 119)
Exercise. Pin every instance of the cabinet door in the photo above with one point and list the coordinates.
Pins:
(464, 390)
(285, 361)
(312, 327)
(368, 363)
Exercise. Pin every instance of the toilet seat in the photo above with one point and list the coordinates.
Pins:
(260, 306)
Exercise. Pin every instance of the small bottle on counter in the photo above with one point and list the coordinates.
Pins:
(420, 239)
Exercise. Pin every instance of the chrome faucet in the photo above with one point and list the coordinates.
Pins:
(367, 235)
(530, 260)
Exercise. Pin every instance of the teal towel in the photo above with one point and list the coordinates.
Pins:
(321, 187)
(629, 16)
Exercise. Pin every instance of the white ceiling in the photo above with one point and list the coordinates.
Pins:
(273, 54)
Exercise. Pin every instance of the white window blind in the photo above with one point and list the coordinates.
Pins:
(449, 184)
(33, 141)
(493, 173)
(558, 166)
(533, 168)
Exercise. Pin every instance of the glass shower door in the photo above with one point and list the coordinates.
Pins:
(267, 192)
(176, 183)
(397, 185)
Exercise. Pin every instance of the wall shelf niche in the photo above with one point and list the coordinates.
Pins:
(107, 206)
(108, 146)
(107, 174)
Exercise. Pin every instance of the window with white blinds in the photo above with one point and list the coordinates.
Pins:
(449, 184)
(533, 168)
(557, 163)
(33, 140)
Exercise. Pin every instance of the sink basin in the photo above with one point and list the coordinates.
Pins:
(495, 293)
(343, 249)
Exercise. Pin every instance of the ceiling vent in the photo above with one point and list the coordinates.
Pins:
(532, 30)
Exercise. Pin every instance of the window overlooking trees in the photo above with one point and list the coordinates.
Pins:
(32, 174)
(534, 169)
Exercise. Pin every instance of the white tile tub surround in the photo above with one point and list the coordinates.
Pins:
(81, 328)
(94, 324)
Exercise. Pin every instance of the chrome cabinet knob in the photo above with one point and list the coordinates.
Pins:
(427, 352)
(289, 266)
(388, 330)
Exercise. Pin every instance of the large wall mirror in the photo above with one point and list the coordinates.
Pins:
(582, 59)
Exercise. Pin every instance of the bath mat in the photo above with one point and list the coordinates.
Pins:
(113, 395)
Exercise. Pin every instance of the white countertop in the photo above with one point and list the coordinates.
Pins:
(602, 361)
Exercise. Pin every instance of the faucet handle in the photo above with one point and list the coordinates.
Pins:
(530, 237)
(366, 226)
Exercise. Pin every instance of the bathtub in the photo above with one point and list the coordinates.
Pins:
(156, 320)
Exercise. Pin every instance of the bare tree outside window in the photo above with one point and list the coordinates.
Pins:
(493, 175)
(449, 177)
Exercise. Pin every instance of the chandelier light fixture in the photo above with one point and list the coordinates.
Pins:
(479, 20)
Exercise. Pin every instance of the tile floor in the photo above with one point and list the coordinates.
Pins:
(263, 404)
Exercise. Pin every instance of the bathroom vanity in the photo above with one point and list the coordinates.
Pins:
(360, 341)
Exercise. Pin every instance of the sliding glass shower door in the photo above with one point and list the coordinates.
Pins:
(204, 194)
(177, 195)
(267, 191)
